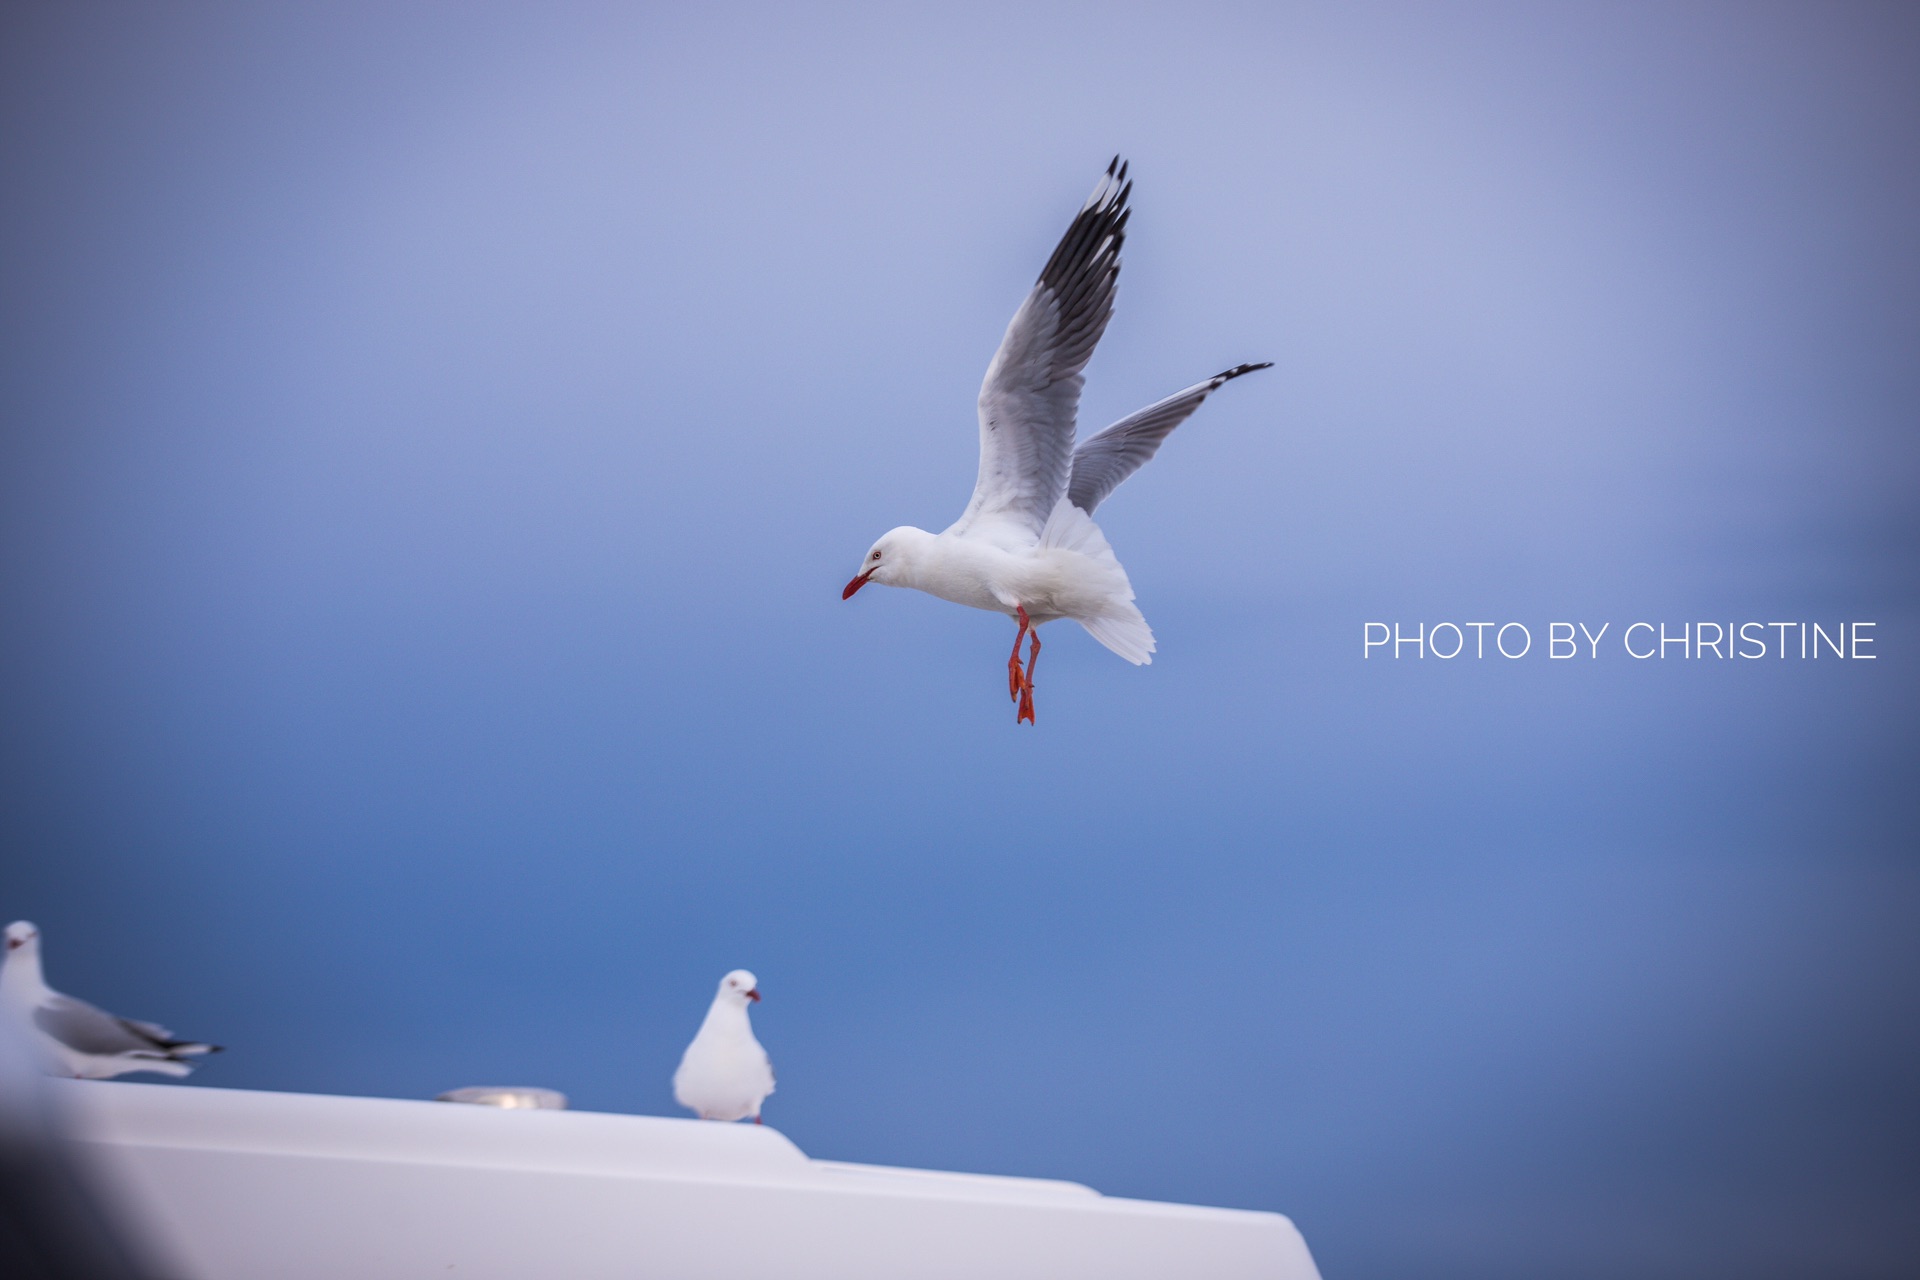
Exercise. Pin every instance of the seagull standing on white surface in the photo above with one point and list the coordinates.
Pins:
(724, 1074)
(1026, 545)
(72, 1037)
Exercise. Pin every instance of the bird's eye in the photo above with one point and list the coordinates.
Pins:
(876, 555)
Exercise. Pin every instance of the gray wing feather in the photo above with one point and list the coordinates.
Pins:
(152, 1030)
(1104, 460)
(1031, 394)
(86, 1029)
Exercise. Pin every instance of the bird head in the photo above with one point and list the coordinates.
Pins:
(886, 560)
(740, 986)
(20, 934)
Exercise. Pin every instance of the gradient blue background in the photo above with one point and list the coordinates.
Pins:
(436, 436)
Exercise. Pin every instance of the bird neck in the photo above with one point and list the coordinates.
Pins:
(727, 1019)
(911, 552)
(20, 975)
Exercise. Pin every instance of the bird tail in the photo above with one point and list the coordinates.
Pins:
(1125, 632)
(1112, 619)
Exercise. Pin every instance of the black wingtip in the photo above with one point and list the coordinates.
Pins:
(1096, 233)
(1230, 374)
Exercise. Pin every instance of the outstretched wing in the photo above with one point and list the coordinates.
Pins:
(1032, 389)
(1103, 461)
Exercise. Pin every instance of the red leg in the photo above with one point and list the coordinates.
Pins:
(1026, 693)
(1014, 678)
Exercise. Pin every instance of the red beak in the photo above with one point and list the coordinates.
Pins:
(855, 585)
(754, 995)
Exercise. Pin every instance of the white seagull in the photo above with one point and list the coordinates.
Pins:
(72, 1037)
(1026, 545)
(724, 1074)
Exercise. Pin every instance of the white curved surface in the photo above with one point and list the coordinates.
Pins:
(237, 1185)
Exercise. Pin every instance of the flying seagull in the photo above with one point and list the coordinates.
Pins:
(724, 1074)
(1026, 545)
(73, 1037)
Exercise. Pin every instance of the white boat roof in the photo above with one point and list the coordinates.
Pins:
(239, 1184)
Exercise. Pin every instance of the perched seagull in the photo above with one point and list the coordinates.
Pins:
(1026, 545)
(724, 1074)
(76, 1039)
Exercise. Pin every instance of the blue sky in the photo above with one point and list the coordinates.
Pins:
(437, 436)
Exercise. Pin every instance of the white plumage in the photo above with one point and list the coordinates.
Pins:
(72, 1037)
(725, 1074)
(1027, 545)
